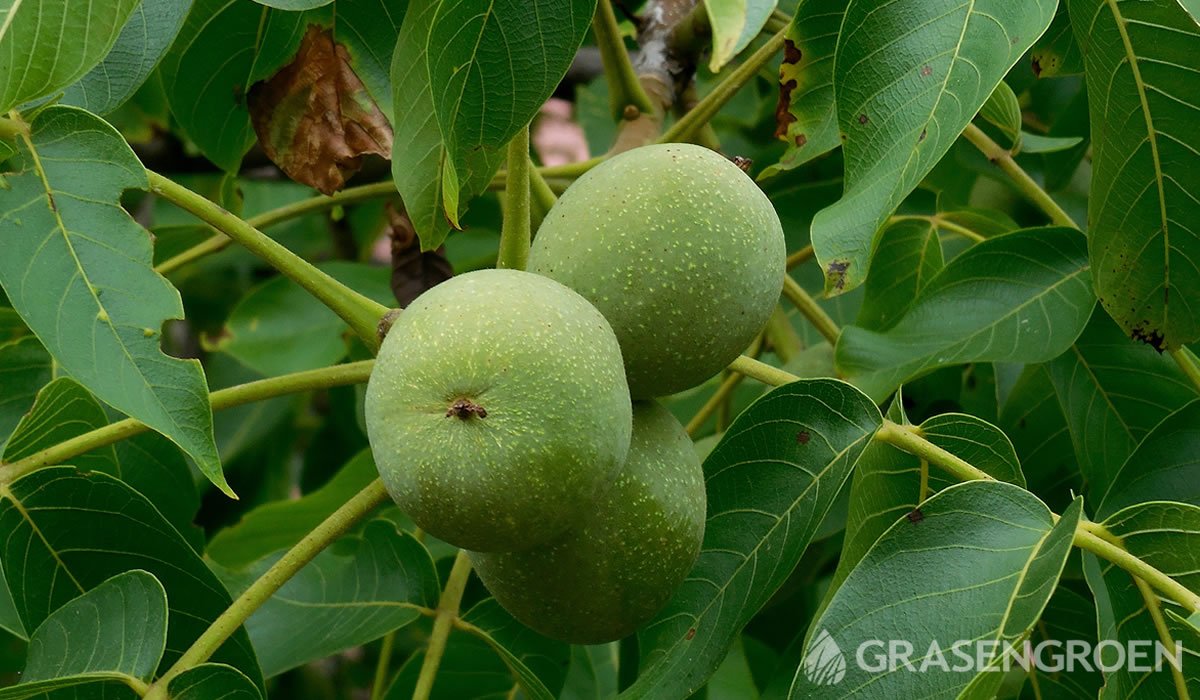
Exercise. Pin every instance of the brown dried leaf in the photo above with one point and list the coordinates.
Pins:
(315, 118)
(413, 271)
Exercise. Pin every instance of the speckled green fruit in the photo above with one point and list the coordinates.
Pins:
(497, 410)
(680, 251)
(608, 578)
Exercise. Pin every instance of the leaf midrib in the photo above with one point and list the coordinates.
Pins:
(1152, 137)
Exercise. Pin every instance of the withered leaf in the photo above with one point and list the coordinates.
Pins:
(315, 118)
(413, 271)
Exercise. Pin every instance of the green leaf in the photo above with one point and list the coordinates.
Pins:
(797, 446)
(1020, 297)
(9, 619)
(69, 531)
(492, 658)
(901, 109)
(418, 150)
(280, 524)
(154, 467)
(144, 39)
(1056, 53)
(980, 565)
(1164, 466)
(119, 626)
(491, 67)
(1113, 391)
(279, 328)
(45, 46)
(889, 483)
(363, 587)
(25, 367)
(209, 681)
(1166, 536)
(1034, 143)
(93, 686)
(63, 410)
(1142, 59)
(1032, 418)
(909, 255)
(592, 674)
(1004, 112)
(734, 24)
(67, 239)
(806, 118)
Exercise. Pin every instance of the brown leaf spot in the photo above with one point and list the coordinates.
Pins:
(924, 133)
(803, 437)
(690, 633)
(926, 71)
(801, 139)
(413, 270)
(1150, 336)
(837, 271)
(862, 119)
(314, 117)
(915, 516)
(783, 114)
(791, 53)
(1037, 67)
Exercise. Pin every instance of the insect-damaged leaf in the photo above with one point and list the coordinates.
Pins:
(315, 118)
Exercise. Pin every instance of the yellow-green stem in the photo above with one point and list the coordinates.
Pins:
(540, 189)
(1187, 362)
(515, 230)
(1121, 557)
(312, 205)
(1003, 159)
(723, 391)
(383, 666)
(688, 125)
(800, 256)
(624, 89)
(324, 378)
(359, 312)
(910, 439)
(443, 621)
(338, 523)
(811, 310)
(12, 128)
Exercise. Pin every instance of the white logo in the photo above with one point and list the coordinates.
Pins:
(824, 664)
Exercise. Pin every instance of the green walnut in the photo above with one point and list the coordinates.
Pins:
(497, 410)
(609, 577)
(680, 251)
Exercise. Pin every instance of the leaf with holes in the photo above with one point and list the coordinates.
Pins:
(1142, 59)
(797, 445)
(909, 75)
(979, 565)
(1021, 297)
(67, 238)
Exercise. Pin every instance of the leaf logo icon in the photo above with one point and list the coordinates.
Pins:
(824, 664)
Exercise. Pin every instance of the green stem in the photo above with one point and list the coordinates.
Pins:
(1002, 158)
(337, 524)
(939, 223)
(379, 685)
(1118, 555)
(515, 231)
(12, 128)
(800, 256)
(688, 125)
(553, 172)
(359, 312)
(324, 378)
(779, 20)
(542, 193)
(443, 621)
(626, 96)
(761, 371)
(1187, 362)
(811, 310)
(312, 205)
(910, 439)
